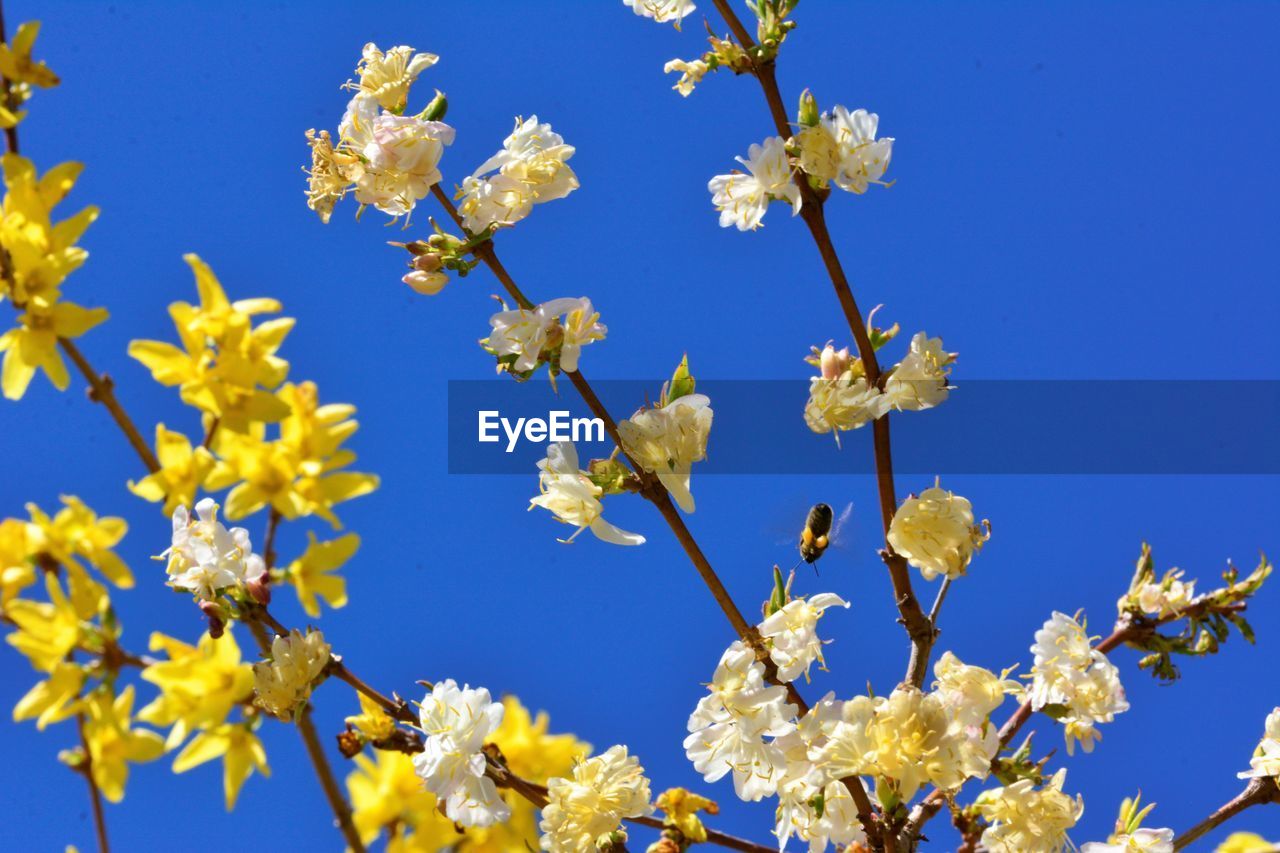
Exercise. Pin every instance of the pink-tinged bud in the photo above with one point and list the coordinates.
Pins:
(216, 615)
(260, 588)
(427, 262)
(834, 362)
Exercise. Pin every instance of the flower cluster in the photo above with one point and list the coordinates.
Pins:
(383, 157)
(532, 168)
(205, 557)
(842, 399)
(22, 72)
(667, 439)
(457, 722)
(841, 148)
(586, 809)
(38, 255)
(792, 634)
(1074, 681)
(282, 684)
(553, 333)
(935, 532)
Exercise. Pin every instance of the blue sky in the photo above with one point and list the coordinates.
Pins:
(1084, 191)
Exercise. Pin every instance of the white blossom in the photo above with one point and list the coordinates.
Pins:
(568, 492)
(792, 633)
(840, 398)
(662, 11)
(401, 154)
(1266, 758)
(1167, 597)
(919, 381)
(668, 441)
(935, 533)
(205, 557)
(531, 168)
(1068, 671)
(804, 782)
(457, 722)
(283, 683)
(1138, 841)
(561, 326)
(1024, 818)
(603, 791)
(728, 729)
(691, 73)
(863, 159)
(743, 198)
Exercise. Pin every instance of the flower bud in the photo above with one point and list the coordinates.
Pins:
(260, 588)
(217, 617)
(436, 109)
(808, 115)
(349, 743)
(427, 262)
(833, 362)
(428, 283)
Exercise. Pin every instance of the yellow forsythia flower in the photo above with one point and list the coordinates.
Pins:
(385, 791)
(48, 631)
(16, 62)
(238, 747)
(16, 571)
(199, 685)
(681, 809)
(113, 745)
(77, 531)
(182, 471)
(298, 474)
(34, 344)
(53, 699)
(226, 366)
(1245, 842)
(312, 573)
(42, 254)
(372, 722)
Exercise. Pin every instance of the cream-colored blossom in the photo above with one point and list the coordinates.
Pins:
(667, 441)
(935, 533)
(1068, 671)
(457, 722)
(205, 557)
(283, 683)
(662, 11)
(971, 692)
(532, 168)
(691, 73)
(792, 633)
(569, 494)
(603, 791)
(400, 154)
(743, 198)
(919, 381)
(840, 398)
(1023, 818)
(863, 158)
(1266, 758)
(386, 77)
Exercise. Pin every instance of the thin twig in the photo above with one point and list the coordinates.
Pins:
(337, 801)
(102, 390)
(95, 794)
(1256, 793)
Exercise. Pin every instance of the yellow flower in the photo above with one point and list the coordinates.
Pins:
(311, 574)
(53, 699)
(113, 746)
(226, 366)
(77, 531)
(34, 343)
(16, 571)
(48, 631)
(681, 809)
(385, 791)
(1245, 842)
(298, 474)
(182, 471)
(16, 62)
(198, 685)
(372, 722)
(241, 754)
(41, 254)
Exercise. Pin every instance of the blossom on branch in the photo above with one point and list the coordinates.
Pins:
(554, 332)
(457, 722)
(742, 198)
(1266, 758)
(935, 532)
(386, 77)
(571, 495)
(1023, 817)
(591, 804)
(919, 381)
(532, 168)
(667, 440)
(205, 557)
(662, 11)
(792, 632)
(283, 684)
(841, 147)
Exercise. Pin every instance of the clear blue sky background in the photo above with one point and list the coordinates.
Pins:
(1084, 191)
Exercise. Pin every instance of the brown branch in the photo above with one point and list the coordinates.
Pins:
(102, 390)
(337, 801)
(10, 133)
(1257, 792)
(918, 626)
(95, 794)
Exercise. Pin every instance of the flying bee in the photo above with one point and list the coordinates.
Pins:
(820, 531)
